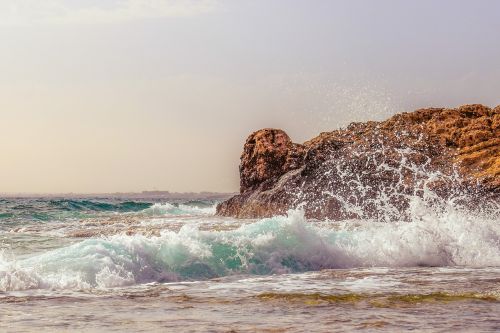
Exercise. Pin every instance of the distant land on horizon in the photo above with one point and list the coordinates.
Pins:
(126, 195)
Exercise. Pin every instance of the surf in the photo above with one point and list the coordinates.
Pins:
(277, 245)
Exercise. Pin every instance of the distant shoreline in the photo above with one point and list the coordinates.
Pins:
(126, 195)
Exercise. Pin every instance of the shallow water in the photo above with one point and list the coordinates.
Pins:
(112, 265)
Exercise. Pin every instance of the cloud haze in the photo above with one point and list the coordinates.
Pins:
(131, 95)
(29, 12)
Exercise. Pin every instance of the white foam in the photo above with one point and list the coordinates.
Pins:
(158, 209)
(270, 246)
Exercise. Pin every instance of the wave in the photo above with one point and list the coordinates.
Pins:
(42, 210)
(282, 244)
(99, 206)
(188, 208)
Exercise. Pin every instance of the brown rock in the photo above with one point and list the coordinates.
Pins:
(267, 155)
(371, 170)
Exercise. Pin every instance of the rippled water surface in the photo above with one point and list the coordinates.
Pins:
(116, 265)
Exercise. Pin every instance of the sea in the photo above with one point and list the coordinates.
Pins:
(137, 265)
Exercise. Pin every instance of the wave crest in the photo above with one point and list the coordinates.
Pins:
(281, 244)
(158, 209)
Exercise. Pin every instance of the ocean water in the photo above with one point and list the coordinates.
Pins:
(119, 265)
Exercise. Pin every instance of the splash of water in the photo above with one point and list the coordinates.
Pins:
(281, 244)
(373, 179)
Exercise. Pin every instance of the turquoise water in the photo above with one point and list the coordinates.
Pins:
(122, 265)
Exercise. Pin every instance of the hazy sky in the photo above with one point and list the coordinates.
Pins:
(131, 95)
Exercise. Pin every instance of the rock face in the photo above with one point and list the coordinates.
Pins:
(268, 154)
(372, 169)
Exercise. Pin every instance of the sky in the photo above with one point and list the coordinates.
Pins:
(132, 95)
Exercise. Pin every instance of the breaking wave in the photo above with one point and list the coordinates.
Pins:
(180, 209)
(281, 244)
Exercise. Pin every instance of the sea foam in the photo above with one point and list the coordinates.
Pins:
(282, 244)
(158, 209)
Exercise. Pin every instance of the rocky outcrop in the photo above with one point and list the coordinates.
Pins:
(372, 169)
(268, 154)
